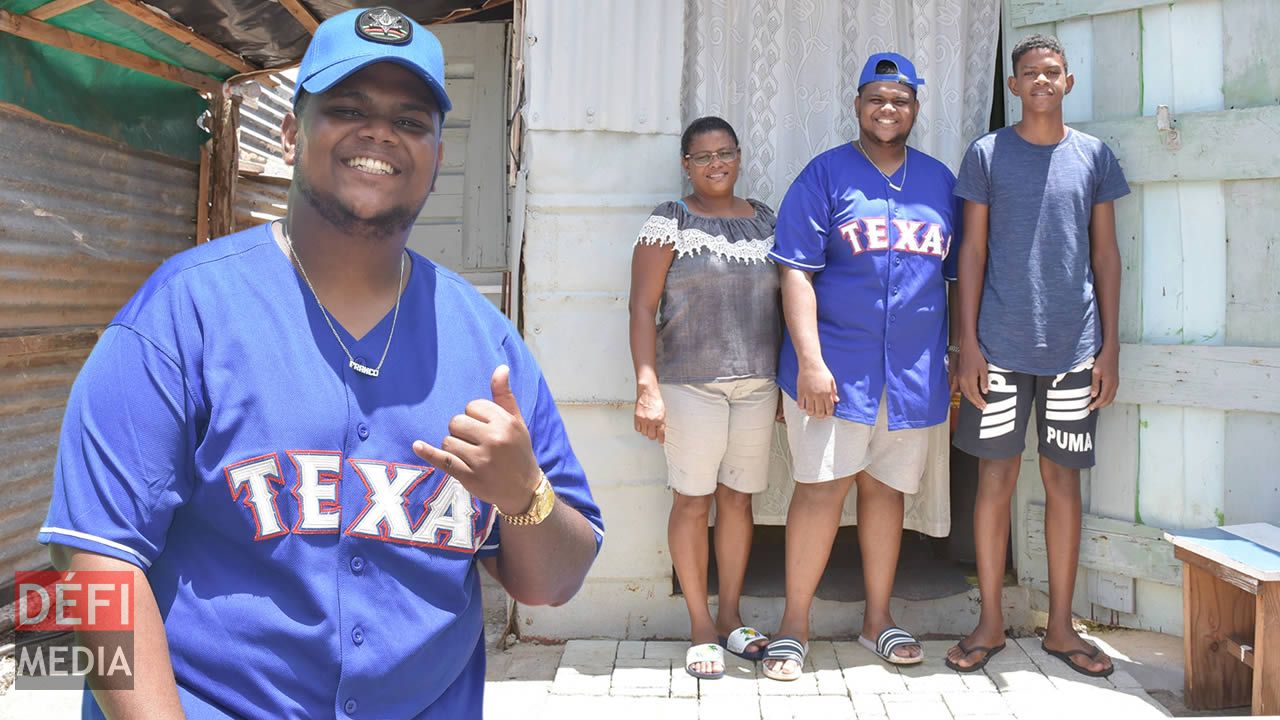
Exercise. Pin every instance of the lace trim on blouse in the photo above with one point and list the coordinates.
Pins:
(658, 230)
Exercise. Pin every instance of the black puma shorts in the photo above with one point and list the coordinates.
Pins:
(1064, 422)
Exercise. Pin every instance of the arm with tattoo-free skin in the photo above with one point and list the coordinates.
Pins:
(815, 385)
(489, 451)
(972, 269)
(155, 691)
(1104, 254)
(649, 266)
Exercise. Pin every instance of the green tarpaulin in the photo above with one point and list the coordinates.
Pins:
(138, 109)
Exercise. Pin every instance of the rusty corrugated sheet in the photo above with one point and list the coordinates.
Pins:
(259, 199)
(83, 222)
(36, 373)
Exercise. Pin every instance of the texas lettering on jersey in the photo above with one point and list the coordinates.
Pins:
(450, 519)
(914, 236)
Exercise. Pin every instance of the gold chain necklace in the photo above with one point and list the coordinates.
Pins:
(897, 188)
(351, 361)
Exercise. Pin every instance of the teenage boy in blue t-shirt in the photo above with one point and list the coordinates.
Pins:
(1039, 294)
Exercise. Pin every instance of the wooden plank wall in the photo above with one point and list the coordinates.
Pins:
(1201, 258)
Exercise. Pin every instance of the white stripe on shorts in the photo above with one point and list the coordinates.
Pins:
(999, 418)
(1068, 394)
(1000, 406)
(990, 432)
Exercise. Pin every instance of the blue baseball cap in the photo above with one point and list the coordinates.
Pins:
(890, 67)
(355, 39)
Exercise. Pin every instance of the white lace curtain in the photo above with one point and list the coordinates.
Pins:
(784, 73)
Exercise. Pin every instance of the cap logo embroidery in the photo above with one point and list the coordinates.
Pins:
(384, 25)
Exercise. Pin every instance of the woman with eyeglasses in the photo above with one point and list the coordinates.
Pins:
(705, 332)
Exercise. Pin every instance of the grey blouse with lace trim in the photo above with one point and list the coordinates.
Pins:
(719, 317)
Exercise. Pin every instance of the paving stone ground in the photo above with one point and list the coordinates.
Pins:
(619, 680)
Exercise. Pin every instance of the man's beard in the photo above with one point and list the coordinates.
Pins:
(394, 221)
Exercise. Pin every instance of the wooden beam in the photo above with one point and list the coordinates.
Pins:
(461, 13)
(1238, 650)
(225, 157)
(1211, 145)
(1032, 12)
(301, 14)
(1201, 376)
(56, 8)
(36, 31)
(157, 19)
(1119, 547)
(202, 196)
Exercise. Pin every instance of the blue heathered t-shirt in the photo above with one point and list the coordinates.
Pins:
(1038, 313)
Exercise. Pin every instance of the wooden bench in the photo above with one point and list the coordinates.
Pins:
(1231, 616)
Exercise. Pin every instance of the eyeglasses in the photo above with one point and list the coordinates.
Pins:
(704, 159)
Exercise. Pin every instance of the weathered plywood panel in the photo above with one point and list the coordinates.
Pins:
(1253, 262)
(1157, 59)
(1129, 239)
(1117, 40)
(1114, 494)
(1214, 146)
(1162, 276)
(1160, 462)
(1252, 468)
(1204, 265)
(1203, 215)
(1027, 12)
(1217, 378)
(1115, 477)
(1251, 53)
(1195, 33)
(1203, 465)
(1114, 546)
(1077, 39)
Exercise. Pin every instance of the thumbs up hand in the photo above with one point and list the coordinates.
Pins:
(488, 449)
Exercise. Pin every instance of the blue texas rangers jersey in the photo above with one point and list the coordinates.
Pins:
(306, 562)
(879, 257)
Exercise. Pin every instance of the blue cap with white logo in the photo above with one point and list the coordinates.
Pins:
(890, 67)
(358, 38)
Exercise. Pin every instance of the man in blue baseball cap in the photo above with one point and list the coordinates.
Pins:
(304, 440)
(864, 244)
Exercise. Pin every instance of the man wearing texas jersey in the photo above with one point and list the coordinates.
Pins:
(862, 239)
(304, 439)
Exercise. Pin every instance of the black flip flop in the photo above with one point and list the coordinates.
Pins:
(1066, 655)
(990, 653)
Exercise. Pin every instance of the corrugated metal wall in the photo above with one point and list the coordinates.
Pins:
(83, 221)
(602, 148)
(260, 199)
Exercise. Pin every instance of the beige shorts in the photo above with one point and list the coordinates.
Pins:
(829, 448)
(719, 433)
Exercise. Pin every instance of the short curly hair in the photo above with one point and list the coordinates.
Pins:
(1038, 42)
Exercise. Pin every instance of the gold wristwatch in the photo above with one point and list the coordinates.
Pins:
(544, 498)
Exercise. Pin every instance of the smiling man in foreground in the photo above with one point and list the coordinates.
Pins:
(304, 439)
